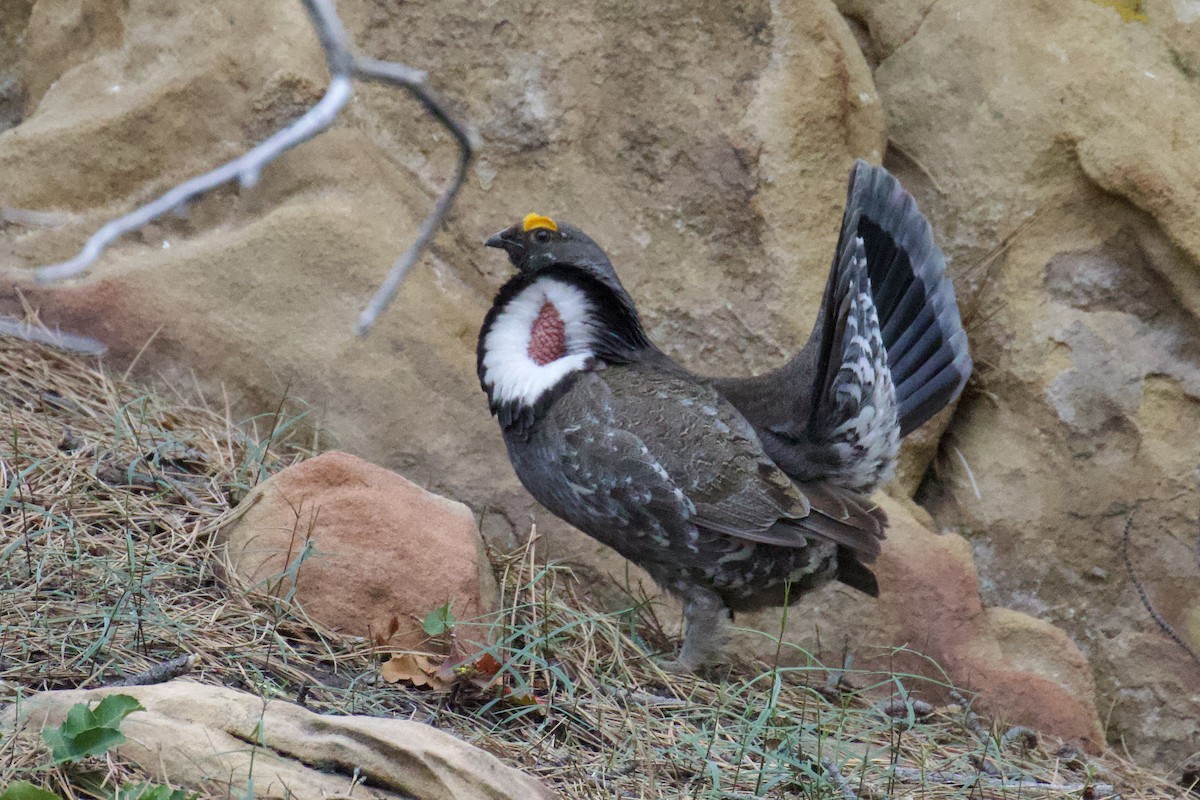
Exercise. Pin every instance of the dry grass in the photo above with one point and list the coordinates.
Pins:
(110, 498)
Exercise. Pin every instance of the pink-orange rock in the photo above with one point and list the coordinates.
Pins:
(930, 621)
(1024, 670)
(380, 547)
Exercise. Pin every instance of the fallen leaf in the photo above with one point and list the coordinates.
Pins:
(524, 697)
(415, 669)
(480, 669)
(393, 626)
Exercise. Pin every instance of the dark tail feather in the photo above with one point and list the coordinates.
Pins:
(854, 574)
(918, 313)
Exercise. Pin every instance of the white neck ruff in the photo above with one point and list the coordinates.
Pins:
(510, 373)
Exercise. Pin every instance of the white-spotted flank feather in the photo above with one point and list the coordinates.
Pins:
(509, 371)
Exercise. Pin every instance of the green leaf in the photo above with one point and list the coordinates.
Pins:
(24, 790)
(439, 620)
(54, 738)
(79, 719)
(115, 708)
(87, 732)
(94, 742)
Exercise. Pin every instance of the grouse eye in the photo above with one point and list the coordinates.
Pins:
(541, 235)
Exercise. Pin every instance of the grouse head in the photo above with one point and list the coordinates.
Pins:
(565, 312)
(537, 243)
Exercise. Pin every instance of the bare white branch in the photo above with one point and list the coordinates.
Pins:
(388, 72)
(344, 66)
(30, 332)
(245, 169)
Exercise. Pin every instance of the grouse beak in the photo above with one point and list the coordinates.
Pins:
(508, 240)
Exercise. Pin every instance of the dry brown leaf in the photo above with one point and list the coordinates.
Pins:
(525, 697)
(480, 669)
(393, 626)
(415, 669)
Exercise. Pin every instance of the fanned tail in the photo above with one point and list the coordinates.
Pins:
(918, 313)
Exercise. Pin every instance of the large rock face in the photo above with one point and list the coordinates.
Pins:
(1067, 135)
(706, 145)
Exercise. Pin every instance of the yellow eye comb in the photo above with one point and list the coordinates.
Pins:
(532, 221)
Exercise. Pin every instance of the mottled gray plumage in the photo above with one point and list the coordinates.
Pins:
(733, 493)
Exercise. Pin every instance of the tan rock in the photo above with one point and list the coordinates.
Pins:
(1169, 678)
(370, 547)
(214, 739)
(1038, 647)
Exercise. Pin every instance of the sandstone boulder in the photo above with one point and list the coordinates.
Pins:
(218, 740)
(357, 546)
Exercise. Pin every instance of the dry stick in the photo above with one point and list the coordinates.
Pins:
(839, 781)
(1026, 737)
(371, 69)
(899, 708)
(964, 780)
(916, 162)
(970, 718)
(160, 673)
(344, 66)
(1145, 598)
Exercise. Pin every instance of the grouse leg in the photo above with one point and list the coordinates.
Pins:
(707, 631)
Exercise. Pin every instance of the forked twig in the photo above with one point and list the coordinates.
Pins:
(385, 72)
(344, 67)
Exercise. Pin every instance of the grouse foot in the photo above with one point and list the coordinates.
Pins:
(706, 633)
